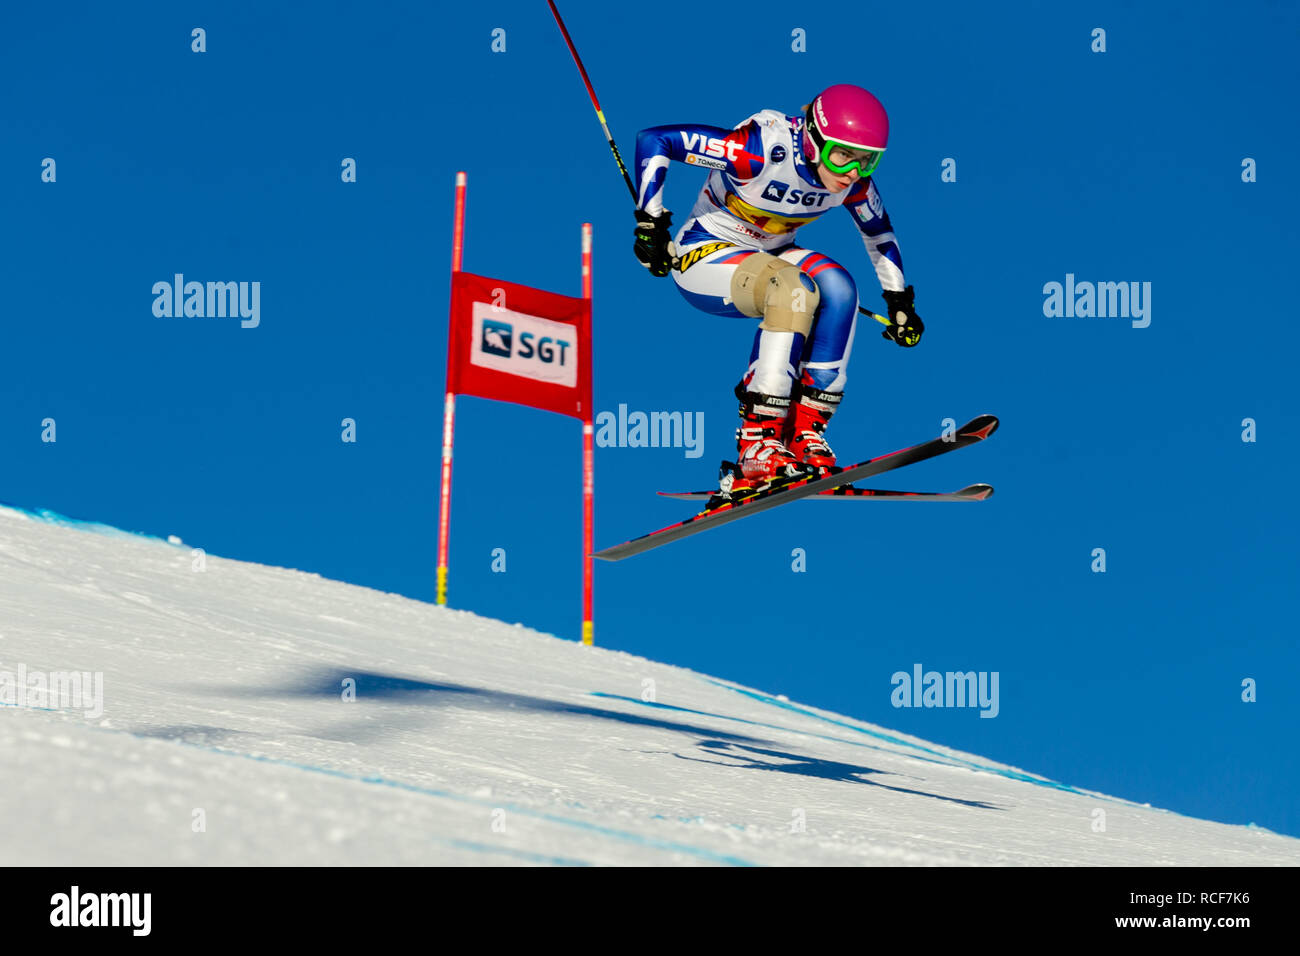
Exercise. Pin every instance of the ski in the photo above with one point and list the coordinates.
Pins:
(973, 431)
(851, 493)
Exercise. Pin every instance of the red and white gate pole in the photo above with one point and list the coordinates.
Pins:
(449, 403)
(588, 459)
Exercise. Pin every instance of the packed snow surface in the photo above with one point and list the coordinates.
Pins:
(256, 715)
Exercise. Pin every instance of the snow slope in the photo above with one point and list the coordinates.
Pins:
(225, 738)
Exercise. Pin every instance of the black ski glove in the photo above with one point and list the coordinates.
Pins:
(651, 245)
(905, 326)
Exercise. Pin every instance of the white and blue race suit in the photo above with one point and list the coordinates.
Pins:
(760, 192)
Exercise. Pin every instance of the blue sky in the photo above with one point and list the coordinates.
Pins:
(1115, 166)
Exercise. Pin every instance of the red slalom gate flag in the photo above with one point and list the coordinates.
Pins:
(518, 344)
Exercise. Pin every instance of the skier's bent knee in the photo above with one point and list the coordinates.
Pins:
(781, 293)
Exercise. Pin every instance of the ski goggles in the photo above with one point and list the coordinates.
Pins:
(842, 159)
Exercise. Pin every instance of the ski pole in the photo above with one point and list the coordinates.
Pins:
(600, 115)
(875, 315)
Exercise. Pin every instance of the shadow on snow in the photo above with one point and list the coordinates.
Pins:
(810, 767)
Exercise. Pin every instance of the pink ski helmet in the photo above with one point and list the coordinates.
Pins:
(842, 123)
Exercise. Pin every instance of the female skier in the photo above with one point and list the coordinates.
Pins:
(736, 256)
